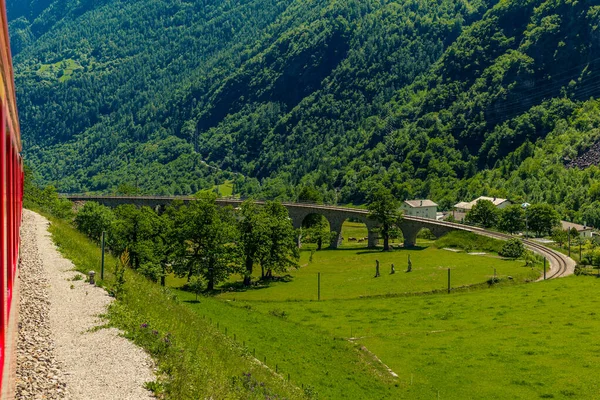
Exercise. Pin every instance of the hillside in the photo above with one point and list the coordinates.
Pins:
(448, 99)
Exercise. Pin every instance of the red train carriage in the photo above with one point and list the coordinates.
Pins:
(11, 201)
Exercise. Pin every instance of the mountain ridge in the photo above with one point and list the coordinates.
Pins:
(429, 99)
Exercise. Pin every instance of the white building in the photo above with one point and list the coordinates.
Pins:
(420, 208)
(585, 232)
(461, 209)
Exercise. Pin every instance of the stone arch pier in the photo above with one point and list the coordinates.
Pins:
(335, 215)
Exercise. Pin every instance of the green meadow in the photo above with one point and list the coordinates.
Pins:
(62, 69)
(527, 341)
(225, 189)
(505, 341)
(349, 272)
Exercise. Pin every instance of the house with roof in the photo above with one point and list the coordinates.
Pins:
(585, 232)
(461, 209)
(420, 208)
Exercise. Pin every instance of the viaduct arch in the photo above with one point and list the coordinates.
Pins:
(335, 215)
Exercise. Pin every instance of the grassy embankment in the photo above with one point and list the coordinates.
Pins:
(201, 360)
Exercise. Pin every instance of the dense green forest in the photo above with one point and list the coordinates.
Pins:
(449, 99)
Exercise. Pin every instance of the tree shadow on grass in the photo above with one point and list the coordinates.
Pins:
(395, 250)
(239, 287)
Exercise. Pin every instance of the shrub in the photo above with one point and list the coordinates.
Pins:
(513, 248)
(426, 234)
(468, 241)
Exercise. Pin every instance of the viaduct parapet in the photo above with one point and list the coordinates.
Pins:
(335, 215)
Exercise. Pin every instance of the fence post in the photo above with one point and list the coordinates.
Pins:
(448, 280)
(544, 268)
(102, 267)
(318, 286)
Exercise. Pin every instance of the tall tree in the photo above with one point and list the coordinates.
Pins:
(512, 219)
(166, 241)
(281, 252)
(135, 229)
(484, 212)
(93, 219)
(253, 226)
(206, 238)
(542, 218)
(384, 208)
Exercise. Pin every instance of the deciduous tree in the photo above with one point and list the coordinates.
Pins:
(384, 208)
(206, 237)
(93, 218)
(281, 251)
(254, 241)
(484, 212)
(136, 229)
(542, 218)
(512, 219)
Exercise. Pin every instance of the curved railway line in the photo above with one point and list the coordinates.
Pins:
(560, 264)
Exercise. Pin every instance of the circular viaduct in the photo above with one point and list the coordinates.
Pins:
(335, 215)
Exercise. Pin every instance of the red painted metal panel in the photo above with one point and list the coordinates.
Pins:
(9, 221)
(11, 202)
(3, 224)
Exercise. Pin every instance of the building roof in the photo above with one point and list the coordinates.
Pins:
(467, 206)
(463, 204)
(578, 227)
(420, 203)
(496, 200)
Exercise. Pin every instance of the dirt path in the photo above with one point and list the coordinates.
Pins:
(58, 355)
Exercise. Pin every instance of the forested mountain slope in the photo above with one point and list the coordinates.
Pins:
(446, 99)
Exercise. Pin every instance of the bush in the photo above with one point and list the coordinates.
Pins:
(468, 241)
(426, 234)
(46, 200)
(513, 248)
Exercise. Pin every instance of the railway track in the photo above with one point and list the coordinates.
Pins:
(560, 264)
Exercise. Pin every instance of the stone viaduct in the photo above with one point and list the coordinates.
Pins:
(336, 215)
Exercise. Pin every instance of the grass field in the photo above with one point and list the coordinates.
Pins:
(349, 272)
(527, 341)
(63, 69)
(225, 189)
(524, 341)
